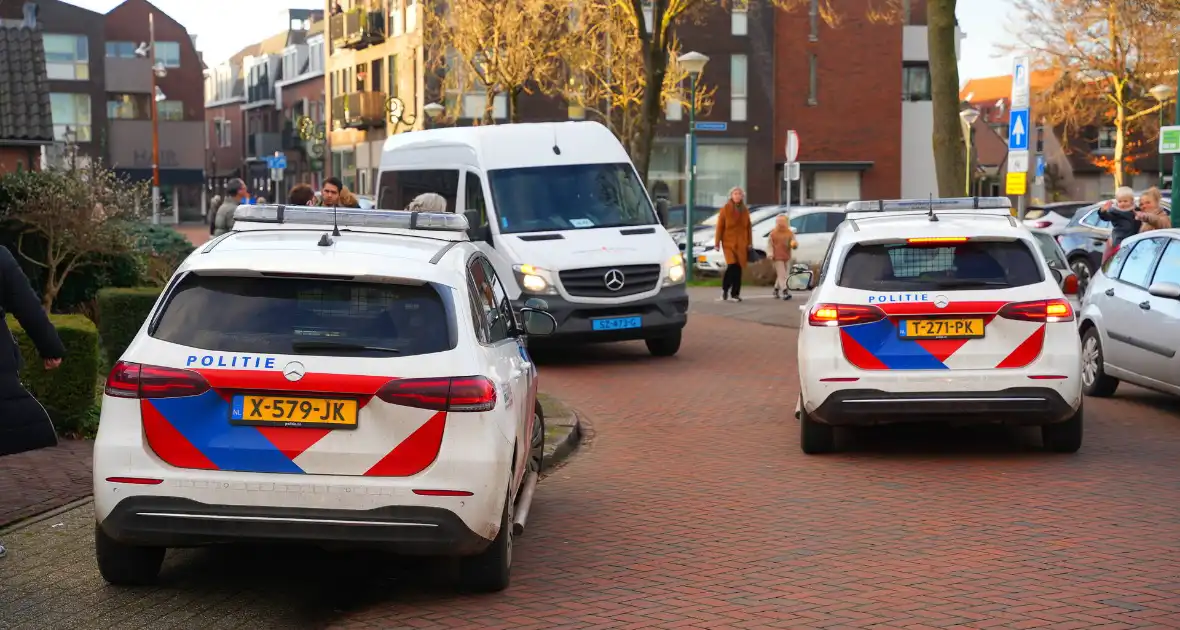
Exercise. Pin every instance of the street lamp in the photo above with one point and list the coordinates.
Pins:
(968, 116)
(148, 50)
(434, 111)
(1162, 93)
(693, 63)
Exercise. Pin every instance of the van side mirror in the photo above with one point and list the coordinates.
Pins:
(1169, 290)
(537, 322)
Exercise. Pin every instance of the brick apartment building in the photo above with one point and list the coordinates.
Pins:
(859, 97)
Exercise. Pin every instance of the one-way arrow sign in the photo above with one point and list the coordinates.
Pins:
(1018, 130)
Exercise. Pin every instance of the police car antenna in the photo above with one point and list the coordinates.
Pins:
(933, 217)
(335, 225)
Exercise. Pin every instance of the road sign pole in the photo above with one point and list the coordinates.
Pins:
(690, 246)
(1176, 161)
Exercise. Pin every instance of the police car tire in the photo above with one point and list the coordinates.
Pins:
(665, 346)
(537, 440)
(126, 565)
(490, 571)
(815, 438)
(1064, 437)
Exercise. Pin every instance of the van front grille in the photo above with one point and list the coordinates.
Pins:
(610, 281)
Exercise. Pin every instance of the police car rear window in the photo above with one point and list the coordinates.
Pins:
(968, 266)
(321, 317)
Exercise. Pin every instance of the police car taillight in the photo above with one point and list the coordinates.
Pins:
(844, 314)
(1055, 310)
(466, 393)
(134, 380)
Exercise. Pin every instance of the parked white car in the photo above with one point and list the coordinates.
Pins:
(813, 227)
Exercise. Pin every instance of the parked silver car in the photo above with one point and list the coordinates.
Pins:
(1130, 317)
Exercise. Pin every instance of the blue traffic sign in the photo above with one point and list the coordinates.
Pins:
(712, 126)
(1018, 130)
(276, 161)
(1040, 166)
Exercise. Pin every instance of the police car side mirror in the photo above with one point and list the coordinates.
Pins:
(800, 281)
(537, 322)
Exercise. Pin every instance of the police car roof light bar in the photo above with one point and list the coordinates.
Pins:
(932, 204)
(351, 217)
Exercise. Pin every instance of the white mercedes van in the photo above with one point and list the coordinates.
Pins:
(563, 215)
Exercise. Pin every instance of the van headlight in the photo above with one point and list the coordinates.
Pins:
(675, 270)
(535, 280)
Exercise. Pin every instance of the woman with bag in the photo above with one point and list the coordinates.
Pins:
(24, 423)
(782, 245)
(734, 236)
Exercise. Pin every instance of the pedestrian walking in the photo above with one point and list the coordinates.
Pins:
(781, 247)
(235, 195)
(24, 423)
(1151, 211)
(1123, 219)
(734, 236)
(301, 195)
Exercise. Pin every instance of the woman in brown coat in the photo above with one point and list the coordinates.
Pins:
(734, 237)
(1151, 211)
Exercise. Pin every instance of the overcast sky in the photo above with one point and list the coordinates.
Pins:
(224, 27)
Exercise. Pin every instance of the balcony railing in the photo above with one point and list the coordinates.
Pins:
(357, 28)
(359, 110)
(261, 91)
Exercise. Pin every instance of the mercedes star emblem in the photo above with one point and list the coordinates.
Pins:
(941, 301)
(614, 279)
(294, 371)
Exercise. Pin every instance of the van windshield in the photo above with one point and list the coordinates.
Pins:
(571, 197)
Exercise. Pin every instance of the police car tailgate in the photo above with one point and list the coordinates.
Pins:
(976, 307)
(297, 376)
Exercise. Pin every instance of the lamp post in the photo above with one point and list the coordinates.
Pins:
(694, 63)
(148, 50)
(1176, 160)
(434, 111)
(1162, 93)
(968, 117)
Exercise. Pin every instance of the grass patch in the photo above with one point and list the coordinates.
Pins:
(553, 407)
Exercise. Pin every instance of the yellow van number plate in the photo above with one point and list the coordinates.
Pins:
(941, 329)
(294, 411)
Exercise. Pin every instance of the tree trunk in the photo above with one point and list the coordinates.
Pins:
(655, 67)
(489, 107)
(1120, 143)
(514, 104)
(950, 163)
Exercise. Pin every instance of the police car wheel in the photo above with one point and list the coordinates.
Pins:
(815, 438)
(537, 441)
(665, 346)
(1064, 437)
(126, 565)
(490, 571)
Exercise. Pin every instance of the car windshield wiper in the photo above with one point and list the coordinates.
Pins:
(964, 282)
(311, 346)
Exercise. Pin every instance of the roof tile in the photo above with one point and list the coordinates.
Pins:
(25, 112)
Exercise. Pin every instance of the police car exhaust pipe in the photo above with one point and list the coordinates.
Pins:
(523, 502)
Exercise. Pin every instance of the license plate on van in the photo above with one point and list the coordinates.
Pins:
(617, 323)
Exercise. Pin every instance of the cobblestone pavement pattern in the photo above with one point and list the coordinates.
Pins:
(37, 481)
(692, 507)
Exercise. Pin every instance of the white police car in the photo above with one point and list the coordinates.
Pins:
(937, 309)
(364, 384)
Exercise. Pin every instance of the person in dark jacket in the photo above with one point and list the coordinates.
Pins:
(24, 423)
(1123, 220)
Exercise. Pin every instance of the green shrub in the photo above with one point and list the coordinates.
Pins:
(67, 392)
(121, 313)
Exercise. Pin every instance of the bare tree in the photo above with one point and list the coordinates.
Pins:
(498, 47)
(80, 214)
(949, 148)
(1107, 55)
(605, 71)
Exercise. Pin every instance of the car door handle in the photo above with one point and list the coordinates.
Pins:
(1109, 292)
(1145, 305)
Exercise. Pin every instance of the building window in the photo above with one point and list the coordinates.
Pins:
(813, 16)
(720, 167)
(67, 57)
(915, 83)
(223, 129)
(315, 51)
(393, 91)
(71, 115)
(128, 107)
(674, 109)
(397, 18)
(1106, 139)
(1040, 137)
(835, 186)
(411, 15)
(738, 22)
(121, 50)
(738, 81)
(170, 110)
(168, 53)
(813, 79)
(376, 74)
(290, 63)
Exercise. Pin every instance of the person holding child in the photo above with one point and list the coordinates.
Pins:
(1124, 220)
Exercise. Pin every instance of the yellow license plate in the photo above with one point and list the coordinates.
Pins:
(941, 329)
(294, 411)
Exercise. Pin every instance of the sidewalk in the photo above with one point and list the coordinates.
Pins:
(38, 481)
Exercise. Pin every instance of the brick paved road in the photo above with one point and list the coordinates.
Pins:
(38, 481)
(692, 507)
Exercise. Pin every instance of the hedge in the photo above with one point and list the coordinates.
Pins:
(68, 392)
(121, 313)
